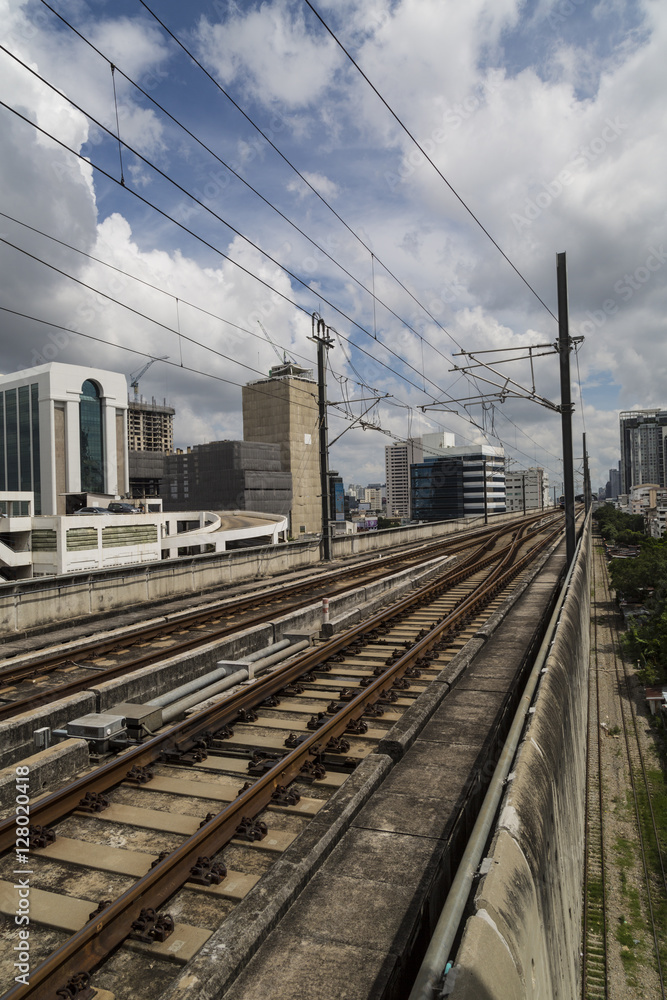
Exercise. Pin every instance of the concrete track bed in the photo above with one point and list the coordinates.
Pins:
(349, 909)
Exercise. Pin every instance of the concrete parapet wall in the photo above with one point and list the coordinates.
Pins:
(44, 601)
(344, 546)
(523, 939)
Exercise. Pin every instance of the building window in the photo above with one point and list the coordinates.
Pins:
(91, 439)
(12, 432)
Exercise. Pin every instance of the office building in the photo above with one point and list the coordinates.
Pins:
(63, 435)
(613, 487)
(228, 475)
(526, 490)
(399, 457)
(397, 461)
(283, 409)
(643, 448)
(464, 482)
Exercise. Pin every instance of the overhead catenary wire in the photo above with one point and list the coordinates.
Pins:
(267, 201)
(421, 338)
(226, 256)
(233, 229)
(362, 383)
(426, 156)
(352, 343)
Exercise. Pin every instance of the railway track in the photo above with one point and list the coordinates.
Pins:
(650, 848)
(27, 683)
(207, 804)
(595, 972)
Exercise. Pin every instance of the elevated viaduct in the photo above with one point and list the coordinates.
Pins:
(402, 819)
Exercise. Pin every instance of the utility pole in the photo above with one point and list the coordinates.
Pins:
(324, 343)
(523, 491)
(486, 502)
(587, 479)
(564, 347)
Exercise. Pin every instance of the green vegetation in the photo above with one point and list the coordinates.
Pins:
(631, 932)
(619, 528)
(387, 522)
(642, 580)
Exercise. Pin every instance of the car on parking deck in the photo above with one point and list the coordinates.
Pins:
(92, 510)
(122, 508)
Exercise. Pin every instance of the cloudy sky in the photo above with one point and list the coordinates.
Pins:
(373, 172)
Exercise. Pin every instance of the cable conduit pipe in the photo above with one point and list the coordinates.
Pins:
(230, 680)
(201, 682)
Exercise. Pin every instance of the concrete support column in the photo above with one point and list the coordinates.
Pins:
(72, 447)
(111, 484)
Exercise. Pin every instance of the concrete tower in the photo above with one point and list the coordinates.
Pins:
(283, 409)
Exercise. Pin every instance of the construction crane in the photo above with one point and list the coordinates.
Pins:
(142, 371)
(286, 358)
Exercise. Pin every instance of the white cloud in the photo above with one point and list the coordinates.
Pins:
(271, 50)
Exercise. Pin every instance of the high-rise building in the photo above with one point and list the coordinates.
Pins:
(463, 482)
(397, 461)
(643, 448)
(526, 490)
(283, 409)
(613, 487)
(399, 457)
(150, 427)
(63, 433)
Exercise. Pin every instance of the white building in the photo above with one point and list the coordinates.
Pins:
(63, 431)
(526, 490)
(51, 545)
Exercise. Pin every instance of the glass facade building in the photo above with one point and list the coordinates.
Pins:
(460, 484)
(63, 434)
(19, 441)
(91, 434)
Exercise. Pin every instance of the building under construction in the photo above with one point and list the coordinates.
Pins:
(150, 436)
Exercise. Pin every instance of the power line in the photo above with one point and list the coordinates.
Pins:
(425, 154)
(221, 253)
(301, 176)
(422, 339)
(233, 229)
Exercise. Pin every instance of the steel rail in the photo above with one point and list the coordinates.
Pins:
(594, 742)
(47, 663)
(85, 949)
(189, 733)
(623, 677)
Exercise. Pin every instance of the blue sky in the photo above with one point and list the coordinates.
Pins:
(547, 119)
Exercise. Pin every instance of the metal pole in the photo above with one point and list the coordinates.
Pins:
(587, 479)
(523, 491)
(486, 505)
(324, 343)
(564, 345)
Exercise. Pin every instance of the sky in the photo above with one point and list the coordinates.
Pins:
(191, 182)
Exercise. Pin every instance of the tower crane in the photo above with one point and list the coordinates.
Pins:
(286, 357)
(142, 371)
